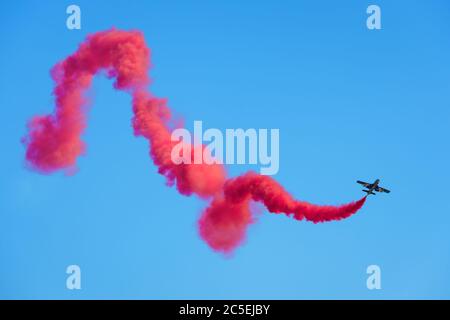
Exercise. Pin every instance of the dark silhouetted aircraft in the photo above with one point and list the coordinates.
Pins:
(371, 187)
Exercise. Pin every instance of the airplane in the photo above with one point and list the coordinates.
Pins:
(373, 187)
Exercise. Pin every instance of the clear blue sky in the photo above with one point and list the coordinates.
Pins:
(350, 104)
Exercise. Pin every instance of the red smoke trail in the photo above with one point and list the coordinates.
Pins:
(223, 225)
(54, 141)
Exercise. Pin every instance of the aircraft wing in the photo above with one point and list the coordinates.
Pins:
(380, 189)
(365, 184)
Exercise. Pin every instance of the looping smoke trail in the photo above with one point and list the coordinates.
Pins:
(224, 223)
(54, 141)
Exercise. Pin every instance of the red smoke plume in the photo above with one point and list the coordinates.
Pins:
(223, 225)
(54, 141)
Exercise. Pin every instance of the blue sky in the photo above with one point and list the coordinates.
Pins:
(350, 104)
